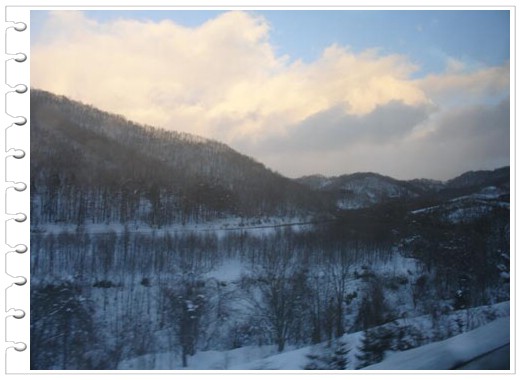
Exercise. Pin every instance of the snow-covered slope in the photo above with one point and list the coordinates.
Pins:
(450, 353)
(441, 355)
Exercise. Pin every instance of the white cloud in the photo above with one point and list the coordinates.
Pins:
(195, 78)
(460, 86)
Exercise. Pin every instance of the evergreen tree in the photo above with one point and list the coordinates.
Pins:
(339, 359)
(329, 357)
(61, 328)
(373, 346)
(315, 362)
(408, 337)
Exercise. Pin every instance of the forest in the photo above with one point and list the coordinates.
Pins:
(147, 243)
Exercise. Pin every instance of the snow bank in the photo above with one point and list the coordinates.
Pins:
(451, 352)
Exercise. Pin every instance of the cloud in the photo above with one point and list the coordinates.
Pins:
(150, 71)
(465, 138)
(195, 79)
(459, 86)
(448, 144)
(225, 80)
(335, 128)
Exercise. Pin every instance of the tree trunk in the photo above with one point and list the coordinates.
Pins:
(340, 330)
(184, 357)
(281, 344)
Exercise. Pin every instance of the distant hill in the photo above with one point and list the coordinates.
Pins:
(481, 178)
(361, 190)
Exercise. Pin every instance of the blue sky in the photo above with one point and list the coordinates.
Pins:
(427, 37)
(274, 78)
(478, 37)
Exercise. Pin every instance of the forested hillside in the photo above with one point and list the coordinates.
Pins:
(88, 165)
(159, 250)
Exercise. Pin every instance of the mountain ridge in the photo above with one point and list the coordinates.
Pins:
(364, 189)
(183, 176)
(78, 149)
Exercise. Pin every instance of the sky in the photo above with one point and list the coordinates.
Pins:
(405, 93)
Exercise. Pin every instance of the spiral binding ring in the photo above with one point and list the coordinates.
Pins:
(20, 217)
(16, 313)
(20, 281)
(20, 88)
(20, 248)
(19, 186)
(20, 26)
(17, 153)
(20, 120)
(20, 346)
(20, 57)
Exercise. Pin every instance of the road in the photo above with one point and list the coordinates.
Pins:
(103, 229)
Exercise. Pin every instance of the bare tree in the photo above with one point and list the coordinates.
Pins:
(276, 299)
(338, 271)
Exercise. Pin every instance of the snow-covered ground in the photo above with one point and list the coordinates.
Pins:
(452, 352)
(439, 355)
(230, 270)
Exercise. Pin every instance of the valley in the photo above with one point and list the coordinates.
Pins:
(160, 250)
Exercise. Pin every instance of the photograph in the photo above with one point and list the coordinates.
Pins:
(301, 190)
